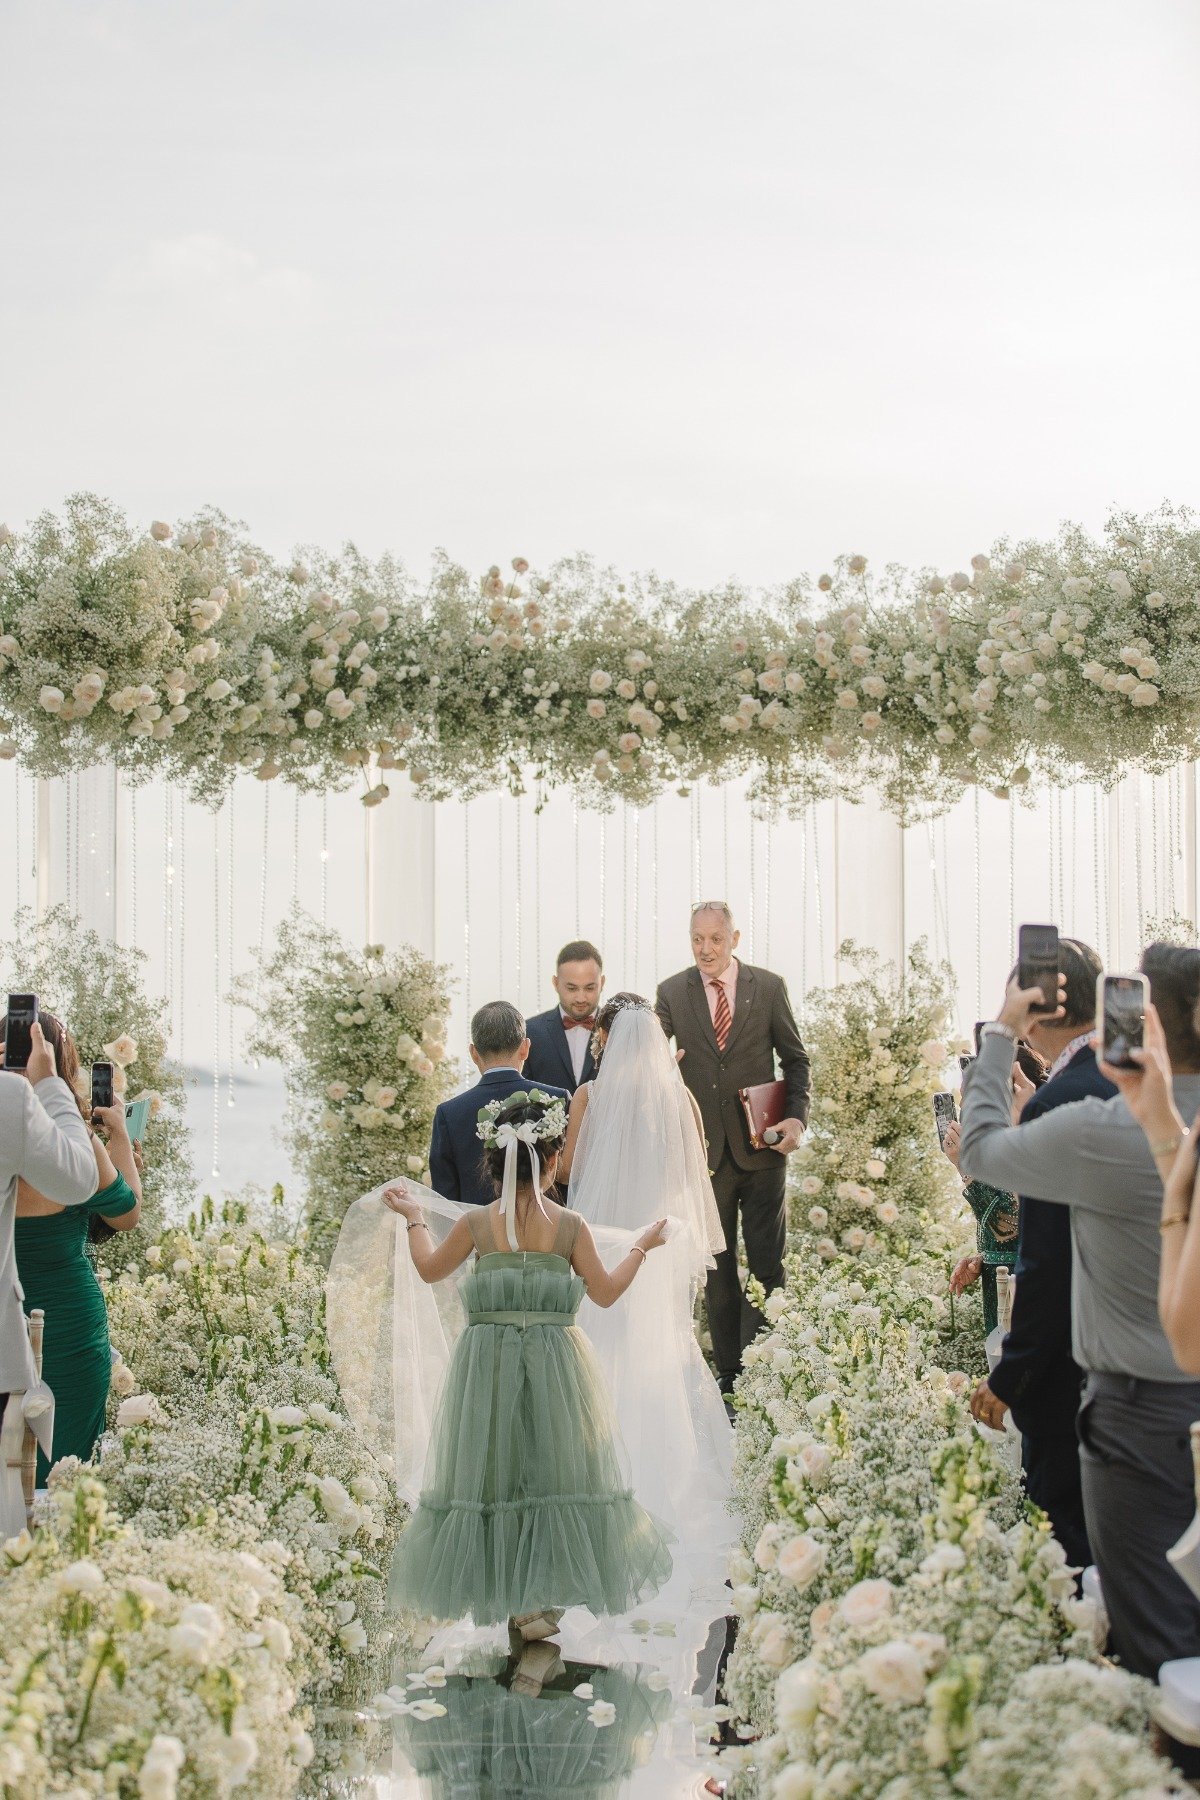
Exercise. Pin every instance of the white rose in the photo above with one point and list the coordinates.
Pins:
(797, 1697)
(944, 1559)
(83, 1577)
(933, 1052)
(239, 1752)
(876, 1168)
(745, 1599)
(352, 1637)
(857, 565)
(277, 1638)
(801, 1561)
(814, 1462)
(887, 1212)
(337, 1090)
(51, 699)
(122, 1051)
(772, 1641)
(165, 1756)
(818, 1218)
(766, 1550)
(141, 1409)
(599, 681)
(123, 1380)
(1119, 582)
(795, 1782)
(894, 1671)
(865, 1602)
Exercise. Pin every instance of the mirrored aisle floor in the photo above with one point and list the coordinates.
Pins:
(638, 1728)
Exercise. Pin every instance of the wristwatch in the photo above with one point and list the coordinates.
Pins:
(996, 1028)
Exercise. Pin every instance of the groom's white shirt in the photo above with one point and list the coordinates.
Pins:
(44, 1139)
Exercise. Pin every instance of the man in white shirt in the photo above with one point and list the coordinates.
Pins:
(560, 1040)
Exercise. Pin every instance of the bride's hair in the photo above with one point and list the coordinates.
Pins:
(531, 1113)
(608, 1012)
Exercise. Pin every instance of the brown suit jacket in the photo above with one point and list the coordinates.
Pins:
(763, 1030)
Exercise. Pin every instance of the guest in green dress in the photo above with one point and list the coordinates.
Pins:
(57, 1275)
(524, 1509)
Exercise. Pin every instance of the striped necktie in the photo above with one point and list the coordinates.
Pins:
(722, 1018)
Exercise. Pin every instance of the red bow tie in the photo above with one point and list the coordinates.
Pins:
(570, 1024)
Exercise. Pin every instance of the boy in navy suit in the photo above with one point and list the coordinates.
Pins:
(560, 1041)
(499, 1048)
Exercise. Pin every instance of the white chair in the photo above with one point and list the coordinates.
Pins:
(19, 1443)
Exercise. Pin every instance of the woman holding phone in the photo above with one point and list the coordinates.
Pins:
(57, 1275)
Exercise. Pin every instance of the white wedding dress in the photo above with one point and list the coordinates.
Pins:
(640, 1157)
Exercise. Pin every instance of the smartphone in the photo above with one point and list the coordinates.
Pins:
(964, 1063)
(102, 1084)
(1121, 1017)
(944, 1114)
(18, 1033)
(137, 1116)
(1037, 962)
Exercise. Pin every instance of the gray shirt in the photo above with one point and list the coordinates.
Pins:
(1093, 1157)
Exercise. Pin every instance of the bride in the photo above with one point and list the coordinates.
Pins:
(635, 1152)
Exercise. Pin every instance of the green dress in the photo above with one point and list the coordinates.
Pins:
(57, 1275)
(524, 1505)
(997, 1221)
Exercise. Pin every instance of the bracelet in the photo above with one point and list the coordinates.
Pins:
(415, 1222)
(636, 1250)
(1168, 1146)
(994, 1028)
(1174, 1219)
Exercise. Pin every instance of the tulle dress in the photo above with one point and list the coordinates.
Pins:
(525, 1504)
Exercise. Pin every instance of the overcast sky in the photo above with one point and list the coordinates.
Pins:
(713, 289)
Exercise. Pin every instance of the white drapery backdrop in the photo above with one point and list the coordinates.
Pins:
(494, 886)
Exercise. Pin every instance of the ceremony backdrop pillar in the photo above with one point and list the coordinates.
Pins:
(403, 848)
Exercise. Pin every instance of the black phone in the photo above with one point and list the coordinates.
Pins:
(1121, 1017)
(102, 1084)
(18, 1030)
(964, 1063)
(1037, 962)
(944, 1114)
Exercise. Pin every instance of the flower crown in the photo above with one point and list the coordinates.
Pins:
(495, 1121)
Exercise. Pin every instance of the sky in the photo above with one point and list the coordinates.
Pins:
(713, 290)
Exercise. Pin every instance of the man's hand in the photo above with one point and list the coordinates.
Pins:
(1024, 1007)
(1023, 1090)
(791, 1136)
(987, 1407)
(966, 1273)
(1146, 1090)
(41, 1062)
(952, 1142)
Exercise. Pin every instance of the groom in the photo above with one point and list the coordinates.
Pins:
(560, 1041)
(731, 1022)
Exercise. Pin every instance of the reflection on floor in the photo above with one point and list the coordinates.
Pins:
(625, 1710)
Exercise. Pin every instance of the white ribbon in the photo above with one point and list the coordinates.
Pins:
(510, 1136)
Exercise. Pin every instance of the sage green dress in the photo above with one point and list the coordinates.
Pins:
(525, 1505)
(57, 1275)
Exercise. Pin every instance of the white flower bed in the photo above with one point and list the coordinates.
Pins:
(908, 1629)
(188, 650)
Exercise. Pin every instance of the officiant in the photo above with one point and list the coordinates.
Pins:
(560, 1040)
(734, 1023)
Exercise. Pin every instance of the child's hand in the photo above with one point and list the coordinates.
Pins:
(397, 1197)
(655, 1235)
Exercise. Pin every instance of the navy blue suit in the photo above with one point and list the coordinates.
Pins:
(455, 1153)
(1037, 1376)
(550, 1055)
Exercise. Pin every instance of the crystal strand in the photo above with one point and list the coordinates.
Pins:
(78, 834)
(33, 859)
(817, 895)
(17, 826)
(626, 958)
(1074, 858)
(216, 1074)
(725, 842)
(1062, 867)
(637, 910)
(1050, 854)
(296, 851)
(1137, 853)
(1012, 870)
(518, 895)
(767, 873)
(753, 886)
(697, 872)
(1169, 872)
(947, 915)
(467, 904)
(933, 882)
(324, 858)
(181, 893)
(978, 908)
(1154, 847)
(262, 906)
(803, 906)
(169, 902)
(575, 840)
(133, 868)
(654, 882)
(603, 877)
(229, 864)
(500, 888)
(66, 793)
(537, 886)
(1100, 940)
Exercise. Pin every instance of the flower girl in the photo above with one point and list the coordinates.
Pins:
(524, 1509)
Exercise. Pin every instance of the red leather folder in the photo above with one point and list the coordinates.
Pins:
(763, 1106)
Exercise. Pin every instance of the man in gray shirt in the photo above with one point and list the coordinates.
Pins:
(1137, 1404)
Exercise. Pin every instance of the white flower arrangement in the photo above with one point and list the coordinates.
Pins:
(908, 1625)
(362, 1039)
(190, 651)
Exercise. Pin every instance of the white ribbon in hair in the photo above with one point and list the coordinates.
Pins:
(510, 1136)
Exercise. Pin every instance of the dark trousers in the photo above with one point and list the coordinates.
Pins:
(1139, 1498)
(758, 1196)
(1054, 1482)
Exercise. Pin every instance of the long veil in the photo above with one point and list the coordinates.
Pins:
(391, 1334)
(641, 1157)
(640, 1154)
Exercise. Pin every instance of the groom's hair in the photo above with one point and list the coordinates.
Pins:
(497, 1028)
(579, 950)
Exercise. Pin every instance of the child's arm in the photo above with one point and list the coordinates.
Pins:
(433, 1262)
(605, 1286)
